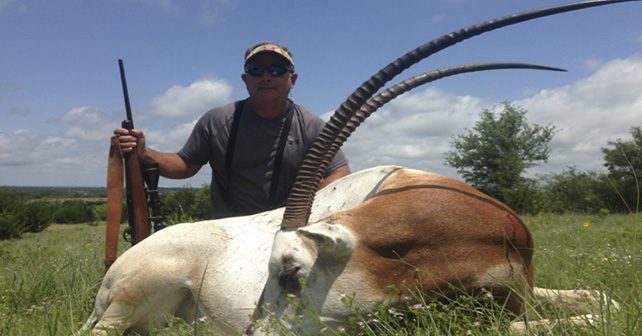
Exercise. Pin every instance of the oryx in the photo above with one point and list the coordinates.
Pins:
(375, 228)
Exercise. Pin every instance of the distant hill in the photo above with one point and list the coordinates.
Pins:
(66, 192)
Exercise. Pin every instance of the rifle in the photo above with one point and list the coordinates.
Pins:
(137, 174)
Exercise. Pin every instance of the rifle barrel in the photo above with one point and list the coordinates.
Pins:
(130, 121)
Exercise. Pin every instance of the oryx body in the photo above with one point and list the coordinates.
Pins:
(372, 229)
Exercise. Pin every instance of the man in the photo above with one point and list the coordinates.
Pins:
(248, 141)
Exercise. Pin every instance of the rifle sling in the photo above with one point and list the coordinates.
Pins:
(229, 151)
(137, 205)
(278, 159)
(115, 179)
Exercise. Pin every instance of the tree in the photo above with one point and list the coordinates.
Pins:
(493, 155)
(624, 163)
(10, 206)
(18, 216)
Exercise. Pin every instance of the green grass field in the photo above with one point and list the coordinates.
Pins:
(48, 280)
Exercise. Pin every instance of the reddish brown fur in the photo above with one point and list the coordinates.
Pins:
(434, 231)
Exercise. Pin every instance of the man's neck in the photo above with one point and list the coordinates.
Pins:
(269, 110)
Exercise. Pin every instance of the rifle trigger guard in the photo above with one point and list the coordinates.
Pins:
(127, 235)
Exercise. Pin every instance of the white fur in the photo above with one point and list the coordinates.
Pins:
(217, 270)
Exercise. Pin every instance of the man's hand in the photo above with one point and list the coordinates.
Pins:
(129, 140)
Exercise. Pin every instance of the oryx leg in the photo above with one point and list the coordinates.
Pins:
(136, 311)
(579, 301)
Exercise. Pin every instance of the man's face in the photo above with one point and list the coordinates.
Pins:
(268, 88)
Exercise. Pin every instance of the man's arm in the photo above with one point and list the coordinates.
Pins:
(171, 164)
(336, 174)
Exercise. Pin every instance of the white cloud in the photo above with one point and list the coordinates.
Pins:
(31, 159)
(164, 4)
(415, 129)
(87, 123)
(82, 133)
(16, 147)
(172, 140)
(51, 142)
(6, 3)
(438, 18)
(589, 113)
(19, 6)
(23, 147)
(77, 154)
(84, 115)
(182, 102)
(592, 64)
(210, 9)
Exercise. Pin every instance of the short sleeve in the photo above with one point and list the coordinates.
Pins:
(197, 149)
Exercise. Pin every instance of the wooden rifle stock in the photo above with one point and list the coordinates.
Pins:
(137, 210)
(136, 198)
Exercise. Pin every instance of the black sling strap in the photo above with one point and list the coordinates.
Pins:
(231, 143)
(278, 159)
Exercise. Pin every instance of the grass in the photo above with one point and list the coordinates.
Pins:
(48, 281)
(593, 252)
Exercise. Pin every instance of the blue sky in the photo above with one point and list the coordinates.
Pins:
(60, 94)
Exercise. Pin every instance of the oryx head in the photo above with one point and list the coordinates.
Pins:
(307, 259)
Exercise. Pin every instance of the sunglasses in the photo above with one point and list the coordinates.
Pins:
(276, 70)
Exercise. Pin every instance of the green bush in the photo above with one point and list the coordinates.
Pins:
(74, 211)
(10, 227)
(100, 211)
(524, 198)
(10, 208)
(36, 215)
(619, 196)
(9, 202)
(573, 191)
(624, 163)
(18, 215)
(186, 204)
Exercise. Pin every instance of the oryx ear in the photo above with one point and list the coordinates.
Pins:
(334, 239)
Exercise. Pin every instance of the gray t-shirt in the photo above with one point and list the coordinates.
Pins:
(254, 155)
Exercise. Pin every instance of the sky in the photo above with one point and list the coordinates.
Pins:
(60, 94)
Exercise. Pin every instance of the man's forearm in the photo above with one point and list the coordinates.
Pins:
(171, 165)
